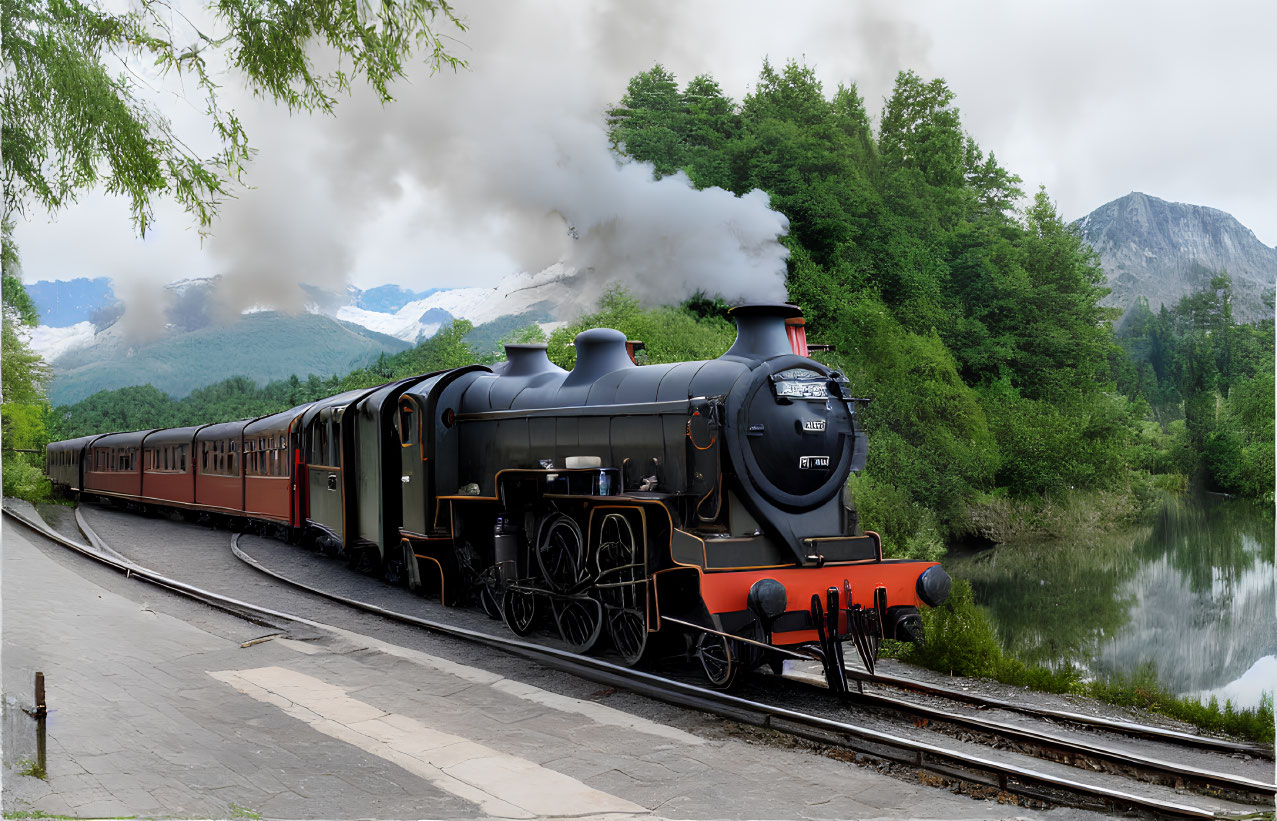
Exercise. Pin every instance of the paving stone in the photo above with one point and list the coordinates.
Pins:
(105, 808)
(138, 801)
(84, 795)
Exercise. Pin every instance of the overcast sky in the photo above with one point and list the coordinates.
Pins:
(461, 181)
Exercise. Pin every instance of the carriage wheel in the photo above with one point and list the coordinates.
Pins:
(395, 569)
(560, 552)
(622, 588)
(580, 621)
(490, 600)
(520, 610)
(717, 660)
(363, 558)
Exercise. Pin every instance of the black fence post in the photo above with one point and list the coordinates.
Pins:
(41, 713)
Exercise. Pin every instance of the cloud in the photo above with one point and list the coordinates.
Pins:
(468, 177)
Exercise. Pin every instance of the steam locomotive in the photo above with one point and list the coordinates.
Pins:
(695, 502)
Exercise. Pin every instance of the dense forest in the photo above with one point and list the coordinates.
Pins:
(969, 313)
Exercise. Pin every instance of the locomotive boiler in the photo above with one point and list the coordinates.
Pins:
(695, 505)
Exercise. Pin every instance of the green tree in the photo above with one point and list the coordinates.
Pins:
(71, 123)
(924, 150)
(710, 125)
(649, 122)
(23, 377)
(1067, 335)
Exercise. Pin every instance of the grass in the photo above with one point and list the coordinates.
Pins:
(961, 641)
(244, 812)
(999, 517)
(31, 767)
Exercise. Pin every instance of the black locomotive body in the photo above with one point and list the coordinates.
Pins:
(616, 503)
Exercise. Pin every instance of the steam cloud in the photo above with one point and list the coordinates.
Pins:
(513, 154)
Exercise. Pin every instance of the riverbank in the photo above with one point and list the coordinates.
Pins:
(961, 641)
(1169, 614)
(998, 517)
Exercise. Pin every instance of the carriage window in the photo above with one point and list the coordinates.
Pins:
(320, 454)
(181, 458)
(407, 425)
(335, 445)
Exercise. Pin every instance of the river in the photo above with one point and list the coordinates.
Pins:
(1190, 594)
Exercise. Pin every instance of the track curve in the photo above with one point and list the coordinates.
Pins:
(1031, 782)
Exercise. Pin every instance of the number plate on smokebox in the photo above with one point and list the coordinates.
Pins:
(813, 462)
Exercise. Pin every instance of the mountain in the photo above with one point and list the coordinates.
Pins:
(386, 299)
(518, 295)
(191, 346)
(1164, 250)
(264, 345)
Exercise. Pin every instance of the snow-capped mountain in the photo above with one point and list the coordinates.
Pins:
(515, 294)
(186, 343)
(51, 342)
(410, 316)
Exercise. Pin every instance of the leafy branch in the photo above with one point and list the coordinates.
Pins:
(71, 124)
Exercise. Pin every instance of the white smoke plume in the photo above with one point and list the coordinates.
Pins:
(512, 153)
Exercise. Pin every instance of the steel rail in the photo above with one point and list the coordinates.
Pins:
(1206, 778)
(874, 743)
(1096, 722)
(240, 609)
(1058, 743)
(909, 752)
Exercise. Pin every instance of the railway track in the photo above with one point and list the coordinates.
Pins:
(1098, 723)
(1076, 773)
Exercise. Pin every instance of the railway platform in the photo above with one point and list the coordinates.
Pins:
(160, 707)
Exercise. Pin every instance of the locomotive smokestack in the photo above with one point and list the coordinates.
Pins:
(527, 360)
(762, 332)
(598, 351)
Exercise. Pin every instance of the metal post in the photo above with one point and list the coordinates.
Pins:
(41, 714)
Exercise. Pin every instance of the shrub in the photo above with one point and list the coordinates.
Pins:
(1048, 447)
(960, 639)
(24, 480)
(908, 530)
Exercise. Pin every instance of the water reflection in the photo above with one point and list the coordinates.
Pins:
(1192, 594)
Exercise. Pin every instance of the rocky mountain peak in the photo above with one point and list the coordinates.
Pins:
(1164, 250)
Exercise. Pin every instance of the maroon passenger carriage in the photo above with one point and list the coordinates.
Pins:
(237, 469)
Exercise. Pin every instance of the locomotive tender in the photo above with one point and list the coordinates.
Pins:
(696, 500)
